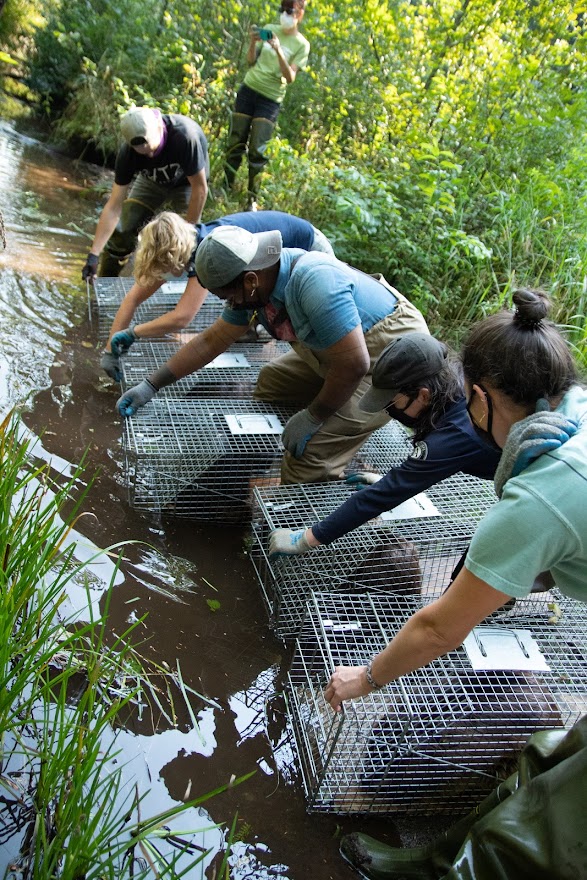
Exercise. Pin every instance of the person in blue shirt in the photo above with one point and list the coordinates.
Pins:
(418, 384)
(167, 249)
(337, 320)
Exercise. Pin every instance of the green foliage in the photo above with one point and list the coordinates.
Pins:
(436, 142)
(63, 685)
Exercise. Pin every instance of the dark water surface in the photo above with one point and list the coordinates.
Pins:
(49, 364)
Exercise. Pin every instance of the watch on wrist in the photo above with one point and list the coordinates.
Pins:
(370, 680)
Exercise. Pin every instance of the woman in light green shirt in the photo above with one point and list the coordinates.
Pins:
(276, 53)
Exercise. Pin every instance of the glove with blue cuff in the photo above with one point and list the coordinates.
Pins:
(110, 363)
(133, 399)
(528, 439)
(362, 479)
(299, 429)
(288, 542)
(122, 341)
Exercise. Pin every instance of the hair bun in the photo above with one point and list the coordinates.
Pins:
(531, 307)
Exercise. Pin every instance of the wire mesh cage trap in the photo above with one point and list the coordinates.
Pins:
(437, 740)
(232, 374)
(199, 459)
(411, 550)
(109, 293)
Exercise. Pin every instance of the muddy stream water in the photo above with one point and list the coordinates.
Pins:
(49, 368)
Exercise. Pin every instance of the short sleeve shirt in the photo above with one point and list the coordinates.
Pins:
(185, 153)
(540, 523)
(265, 74)
(324, 299)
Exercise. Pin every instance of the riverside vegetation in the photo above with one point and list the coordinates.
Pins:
(442, 143)
(67, 808)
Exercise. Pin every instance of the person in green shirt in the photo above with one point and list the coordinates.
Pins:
(276, 53)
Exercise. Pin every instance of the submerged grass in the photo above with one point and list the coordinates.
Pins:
(65, 802)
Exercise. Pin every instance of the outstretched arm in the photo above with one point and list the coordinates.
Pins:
(135, 296)
(178, 318)
(433, 631)
(109, 217)
(198, 196)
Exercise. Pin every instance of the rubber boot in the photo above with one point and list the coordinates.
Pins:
(261, 133)
(378, 861)
(111, 265)
(240, 125)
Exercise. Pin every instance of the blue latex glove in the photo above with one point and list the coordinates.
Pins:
(122, 341)
(288, 542)
(530, 438)
(111, 364)
(133, 399)
(299, 429)
(362, 479)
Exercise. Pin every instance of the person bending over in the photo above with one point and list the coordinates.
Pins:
(167, 249)
(337, 320)
(415, 382)
(167, 158)
(523, 395)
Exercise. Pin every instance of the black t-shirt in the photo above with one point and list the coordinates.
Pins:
(185, 153)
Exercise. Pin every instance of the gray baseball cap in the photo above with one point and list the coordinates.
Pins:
(408, 360)
(141, 124)
(230, 250)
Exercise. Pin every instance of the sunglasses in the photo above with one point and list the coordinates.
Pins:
(138, 142)
(291, 10)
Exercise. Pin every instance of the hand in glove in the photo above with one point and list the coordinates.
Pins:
(122, 341)
(133, 399)
(299, 429)
(362, 479)
(111, 364)
(288, 542)
(90, 269)
(530, 438)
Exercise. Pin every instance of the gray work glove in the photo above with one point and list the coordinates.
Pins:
(133, 399)
(90, 268)
(288, 542)
(111, 364)
(541, 432)
(299, 429)
(362, 479)
(122, 341)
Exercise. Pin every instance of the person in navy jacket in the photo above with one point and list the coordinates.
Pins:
(419, 384)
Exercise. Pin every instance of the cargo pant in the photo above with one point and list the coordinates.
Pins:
(298, 376)
(144, 200)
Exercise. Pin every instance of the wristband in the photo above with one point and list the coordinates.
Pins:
(370, 680)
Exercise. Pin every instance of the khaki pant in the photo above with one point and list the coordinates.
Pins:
(297, 377)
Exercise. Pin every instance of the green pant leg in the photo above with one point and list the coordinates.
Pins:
(238, 136)
(261, 134)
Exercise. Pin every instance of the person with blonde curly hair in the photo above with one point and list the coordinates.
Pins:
(167, 248)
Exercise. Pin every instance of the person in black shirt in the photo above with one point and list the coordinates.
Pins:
(418, 384)
(167, 157)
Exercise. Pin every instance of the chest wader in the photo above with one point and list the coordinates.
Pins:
(240, 125)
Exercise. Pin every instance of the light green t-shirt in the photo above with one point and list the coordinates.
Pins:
(265, 74)
(540, 523)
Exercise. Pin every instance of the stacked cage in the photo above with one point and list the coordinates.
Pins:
(200, 459)
(414, 556)
(437, 740)
(232, 374)
(109, 293)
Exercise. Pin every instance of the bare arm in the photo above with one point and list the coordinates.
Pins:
(128, 306)
(187, 307)
(431, 632)
(109, 218)
(288, 71)
(202, 349)
(252, 50)
(348, 363)
(198, 197)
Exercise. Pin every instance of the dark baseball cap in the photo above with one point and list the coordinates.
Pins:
(408, 360)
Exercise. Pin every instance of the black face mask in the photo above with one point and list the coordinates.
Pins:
(485, 434)
(400, 414)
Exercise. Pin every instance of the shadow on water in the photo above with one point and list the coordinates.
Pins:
(49, 362)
